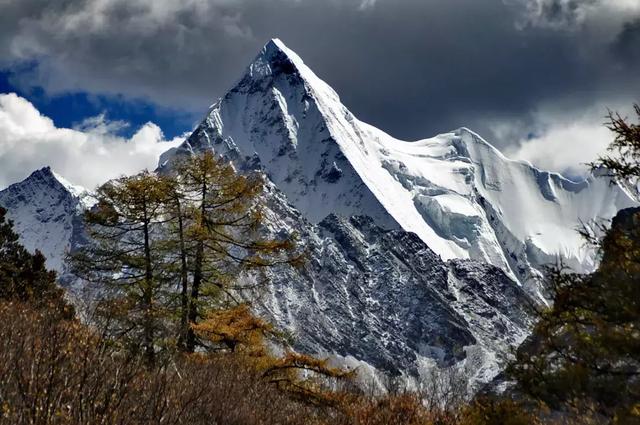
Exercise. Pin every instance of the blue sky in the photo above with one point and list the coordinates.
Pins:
(533, 77)
(70, 109)
(87, 138)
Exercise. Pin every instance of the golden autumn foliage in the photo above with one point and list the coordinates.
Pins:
(236, 329)
(497, 411)
(124, 256)
(394, 409)
(61, 372)
(313, 381)
(220, 235)
(306, 378)
(301, 376)
(172, 249)
(169, 248)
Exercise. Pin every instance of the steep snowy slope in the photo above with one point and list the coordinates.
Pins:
(382, 300)
(460, 195)
(47, 214)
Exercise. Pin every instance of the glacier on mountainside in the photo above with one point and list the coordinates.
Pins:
(458, 193)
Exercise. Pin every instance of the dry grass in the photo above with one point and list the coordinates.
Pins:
(59, 372)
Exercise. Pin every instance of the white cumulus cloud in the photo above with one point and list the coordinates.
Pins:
(87, 155)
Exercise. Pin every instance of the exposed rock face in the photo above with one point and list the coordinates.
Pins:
(368, 296)
(384, 298)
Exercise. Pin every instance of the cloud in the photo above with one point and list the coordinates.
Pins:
(565, 143)
(571, 14)
(88, 155)
(366, 4)
(627, 42)
(556, 14)
(411, 67)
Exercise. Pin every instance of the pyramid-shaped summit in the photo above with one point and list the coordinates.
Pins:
(456, 196)
(283, 115)
(458, 193)
(276, 58)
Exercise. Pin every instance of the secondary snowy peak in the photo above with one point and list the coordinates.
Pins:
(473, 195)
(458, 193)
(46, 211)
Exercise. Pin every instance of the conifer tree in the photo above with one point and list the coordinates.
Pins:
(585, 350)
(221, 229)
(623, 161)
(126, 254)
(177, 246)
(21, 274)
(173, 247)
(24, 276)
(238, 331)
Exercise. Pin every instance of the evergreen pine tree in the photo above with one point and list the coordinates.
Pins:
(24, 276)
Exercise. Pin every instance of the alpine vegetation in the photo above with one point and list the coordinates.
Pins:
(174, 247)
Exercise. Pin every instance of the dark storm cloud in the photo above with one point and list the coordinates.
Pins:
(411, 67)
(627, 44)
(559, 12)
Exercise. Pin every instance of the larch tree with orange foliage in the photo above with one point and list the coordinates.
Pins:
(219, 231)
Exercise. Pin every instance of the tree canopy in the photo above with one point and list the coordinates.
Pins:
(171, 248)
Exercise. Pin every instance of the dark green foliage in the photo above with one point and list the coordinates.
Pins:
(584, 354)
(623, 162)
(23, 276)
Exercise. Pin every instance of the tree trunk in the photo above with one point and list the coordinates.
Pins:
(197, 275)
(147, 295)
(184, 279)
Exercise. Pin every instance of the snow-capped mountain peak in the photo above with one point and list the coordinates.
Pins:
(276, 58)
(456, 191)
(46, 210)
